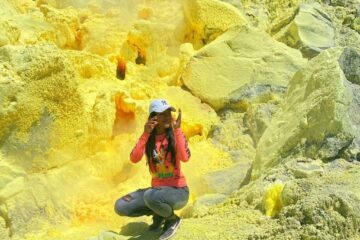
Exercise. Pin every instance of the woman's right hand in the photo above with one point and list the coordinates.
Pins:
(150, 125)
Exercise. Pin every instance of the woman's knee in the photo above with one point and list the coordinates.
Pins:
(150, 197)
(121, 208)
(182, 200)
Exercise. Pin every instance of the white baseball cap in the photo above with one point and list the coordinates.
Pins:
(159, 105)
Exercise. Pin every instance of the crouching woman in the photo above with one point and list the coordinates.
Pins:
(165, 146)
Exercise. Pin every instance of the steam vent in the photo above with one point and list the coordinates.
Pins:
(269, 93)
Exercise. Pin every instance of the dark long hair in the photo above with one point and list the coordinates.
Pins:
(150, 144)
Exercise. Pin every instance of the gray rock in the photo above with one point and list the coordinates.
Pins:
(353, 151)
(305, 168)
(333, 146)
(350, 64)
(311, 31)
(259, 102)
(258, 118)
(228, 180)
(242, 97)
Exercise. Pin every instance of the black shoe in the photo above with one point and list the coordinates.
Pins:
(158, 221)
(170, 227)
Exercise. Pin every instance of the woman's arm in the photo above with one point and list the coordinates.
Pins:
(139, 149)
(182, 150)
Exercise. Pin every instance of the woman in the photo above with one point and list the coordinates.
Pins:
(164, 145)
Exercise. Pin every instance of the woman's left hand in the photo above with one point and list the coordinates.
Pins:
(177, 123)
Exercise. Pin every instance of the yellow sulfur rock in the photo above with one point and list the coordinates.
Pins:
(66, 24)
(318, 91)
(234, 60)
(8, 33)
(209, 19)
(272, 199)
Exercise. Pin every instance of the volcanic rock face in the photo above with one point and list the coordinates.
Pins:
(270, 99)
(311, 31)
(319, 91)
(234, 60)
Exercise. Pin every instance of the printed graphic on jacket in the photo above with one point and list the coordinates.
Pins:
(163, 168)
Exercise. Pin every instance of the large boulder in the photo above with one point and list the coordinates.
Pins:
(207, 19)
(48, 99)
(235, 60)
(226, 181)
(43, 78)
(317, 118)
(311, 31)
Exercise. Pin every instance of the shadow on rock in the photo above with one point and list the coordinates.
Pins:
(139, 230)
